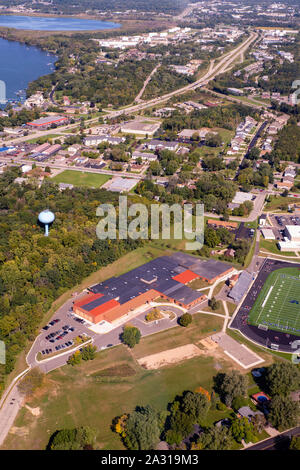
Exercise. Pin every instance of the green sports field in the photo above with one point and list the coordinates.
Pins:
(278, 303)
(81, 178)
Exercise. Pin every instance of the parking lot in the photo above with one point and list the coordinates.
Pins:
(60, 332)
(280, 221)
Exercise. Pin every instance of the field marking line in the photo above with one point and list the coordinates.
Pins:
(267, 296)
(282, 304)
(261, 307)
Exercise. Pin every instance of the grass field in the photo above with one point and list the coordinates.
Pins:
(278, 303)
(80, 178)
(113, 383)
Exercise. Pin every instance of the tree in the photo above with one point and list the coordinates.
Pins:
(185, 319)
(213, 140)
(181, 425)
(230, 386)
(73, 439)
(155, 168)
(31, 382)
(75, 358)
(282, 378)
(295, 443)
(242, 428)
(131, 336)
(211, 238)
(215, 439)
(238, 402)
(88, 353)
(284, 412)
(213, 303)
(195, 405)
(254, 153)
(142, 429)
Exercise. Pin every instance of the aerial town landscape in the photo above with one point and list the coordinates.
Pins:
(167, 331)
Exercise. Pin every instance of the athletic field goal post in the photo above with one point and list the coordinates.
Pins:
(263, 327)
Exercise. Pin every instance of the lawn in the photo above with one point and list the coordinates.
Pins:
(231, 308)
(279, 202)
(271, 246)
(277, 304)
(44, 139)
(97, 391)
(81, 178)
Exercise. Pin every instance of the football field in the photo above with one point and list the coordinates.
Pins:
(278, 303)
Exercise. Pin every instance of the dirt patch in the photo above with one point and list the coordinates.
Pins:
(21, 431)
(171, 356)
(208, 343)
(34, 411)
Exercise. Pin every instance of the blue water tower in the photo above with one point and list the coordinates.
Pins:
(46, 217)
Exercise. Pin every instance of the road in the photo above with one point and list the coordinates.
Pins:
(9, 411)
(213, 71)
(280, 442)
(63, 166)
(139, 96)
(12, 400)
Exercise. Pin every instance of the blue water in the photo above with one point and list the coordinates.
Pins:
(21, 64)
(39, 23)
(3, 149)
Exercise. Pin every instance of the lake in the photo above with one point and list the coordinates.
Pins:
(21, 64)
(40, 23)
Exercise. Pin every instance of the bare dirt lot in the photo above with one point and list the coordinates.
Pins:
(171, 356)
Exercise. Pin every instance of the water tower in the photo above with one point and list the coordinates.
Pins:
(46, 217)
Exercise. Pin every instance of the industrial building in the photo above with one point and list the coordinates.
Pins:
(291, 238)
(268, 234)
(140, 127)
(163, 278)
(46, 122)
(241, 286)
(121, 185)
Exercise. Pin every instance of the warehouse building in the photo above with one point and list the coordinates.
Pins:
(140, 127)
(45, 122)
(164, 278)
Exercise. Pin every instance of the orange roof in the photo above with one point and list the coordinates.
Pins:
(102, 309)
(95, 312)
(86, 299)
(185, 277)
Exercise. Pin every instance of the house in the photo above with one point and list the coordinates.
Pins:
(93, 141)
(162, 145)
(230, 252)
(246, 412)
(285, 185)
(148, 157)
(262, 220)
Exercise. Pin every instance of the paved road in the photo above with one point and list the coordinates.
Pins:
(140, 94)
(280, 442)
(217, 69)
(9, 411)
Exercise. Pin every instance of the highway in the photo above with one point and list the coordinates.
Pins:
(214, 70)
(11, 401)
